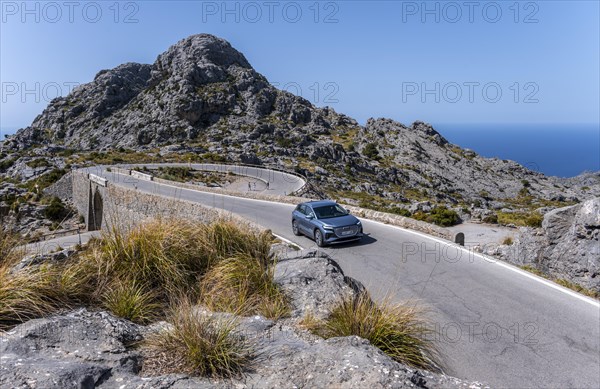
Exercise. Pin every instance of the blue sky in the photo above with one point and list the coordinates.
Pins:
(441, 62)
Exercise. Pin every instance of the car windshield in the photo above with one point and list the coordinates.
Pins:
(329, 211)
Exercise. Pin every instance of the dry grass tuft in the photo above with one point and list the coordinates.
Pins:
(132, 301)
(197, 345)
(244, 284)
(399, 330)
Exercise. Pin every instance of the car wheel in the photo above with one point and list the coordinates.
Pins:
(319, 238)
(295, 228)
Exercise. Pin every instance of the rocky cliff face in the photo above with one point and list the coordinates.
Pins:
(566, 247)
(202, 95)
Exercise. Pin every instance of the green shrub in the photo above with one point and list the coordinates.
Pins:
(56, 210)
(441, 216)
(370, 151)
(508, 241)
(175, 173)
(400, 211)
(526, 219)
(7, 164)
(39, 162)
(523, 192)
(284, 142)
(213, 157)
(534, 219)
(492, 219)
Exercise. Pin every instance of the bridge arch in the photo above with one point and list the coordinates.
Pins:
(96, 214)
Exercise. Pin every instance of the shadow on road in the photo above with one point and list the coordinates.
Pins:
(366, 239)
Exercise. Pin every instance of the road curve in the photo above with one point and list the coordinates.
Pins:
(280, 182)
(495, 323)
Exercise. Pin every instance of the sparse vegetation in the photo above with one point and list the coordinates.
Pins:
(525, 219)
(397, 329)
(491, 219)
(197, 344)
(370, 151)
(44, 181)
(38, 162)
(56, 210)
(563, 282)
(507, 241)
(577, 288)
(441, 216)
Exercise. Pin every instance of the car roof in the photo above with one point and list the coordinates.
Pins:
(318, 203)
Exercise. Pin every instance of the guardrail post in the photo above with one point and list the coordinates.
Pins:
(460, 239)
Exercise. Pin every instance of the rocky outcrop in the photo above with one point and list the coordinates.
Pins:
(63, 188)
(80, 349)
(566, 247)
(97, 350)
(313, 281)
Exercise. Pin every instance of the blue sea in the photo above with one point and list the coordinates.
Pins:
(556, 150)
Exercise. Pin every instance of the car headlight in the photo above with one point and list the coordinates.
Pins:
(328, 228)
(358, 223)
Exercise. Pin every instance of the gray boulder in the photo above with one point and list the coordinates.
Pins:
(81, 349)
(566, 247)
(290, 361)
(313, 281)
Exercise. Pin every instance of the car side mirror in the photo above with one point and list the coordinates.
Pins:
(347, 210)
(310, 216)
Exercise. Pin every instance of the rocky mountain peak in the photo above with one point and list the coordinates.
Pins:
(199, 51)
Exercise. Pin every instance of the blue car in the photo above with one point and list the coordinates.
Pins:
(326, 222)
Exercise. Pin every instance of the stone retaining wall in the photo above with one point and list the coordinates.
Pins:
(126, 208)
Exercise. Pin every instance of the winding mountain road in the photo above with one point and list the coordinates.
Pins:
(494, 322)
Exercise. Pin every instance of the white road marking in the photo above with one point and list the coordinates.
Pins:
(499, 262)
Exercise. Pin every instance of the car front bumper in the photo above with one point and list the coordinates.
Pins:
(331, 238)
